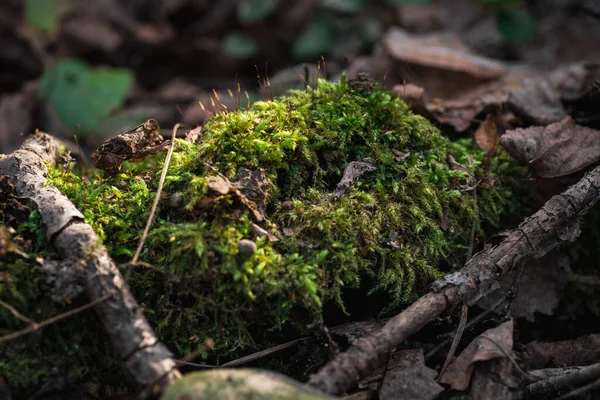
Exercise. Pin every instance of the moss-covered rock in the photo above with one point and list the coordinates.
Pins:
(255, 229)
(239, 384)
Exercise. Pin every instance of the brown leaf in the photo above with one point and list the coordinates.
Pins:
(485, 347)
(537, 102)
(486, 136)
(557, 150)
(412, 94)
(92, 33)
(423, 50)
(352, 174)
(455, 165)
(459, 105)
(410, 378)
(445, 223)
(539, 99)
(541, 286)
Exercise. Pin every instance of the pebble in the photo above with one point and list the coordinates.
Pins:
(246, 247)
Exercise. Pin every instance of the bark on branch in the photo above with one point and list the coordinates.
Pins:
(149, 361)
(555, 223)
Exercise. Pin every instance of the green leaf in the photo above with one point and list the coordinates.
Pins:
(316, 40)
(516, 25)
(400, 2)
(42, 15)
(255, 10)
(239, 45)
(84, 97)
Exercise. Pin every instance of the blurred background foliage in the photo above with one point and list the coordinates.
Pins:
(91, 69)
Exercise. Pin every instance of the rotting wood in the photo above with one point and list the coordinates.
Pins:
(148, 360)
(555, 223)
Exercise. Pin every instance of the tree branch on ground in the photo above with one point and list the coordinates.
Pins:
(557, 222)
(148, 360)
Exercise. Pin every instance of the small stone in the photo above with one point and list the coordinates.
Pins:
(122, 185)
(218, 184)
(246, 247)
(175, 202)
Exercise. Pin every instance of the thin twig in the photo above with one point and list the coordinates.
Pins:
(16, 313)
(459, 332)
(37, 326)
(161, 182)
(263, 353)
(508, 295)
(249, 358)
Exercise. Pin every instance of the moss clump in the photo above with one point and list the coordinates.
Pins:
(274, 167)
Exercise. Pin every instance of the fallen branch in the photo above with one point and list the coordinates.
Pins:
(555, 223)
(559, 384)
(149, 361)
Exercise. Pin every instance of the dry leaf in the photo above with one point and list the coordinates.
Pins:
(486, 136)
(427, 51)
(410, 378)
(559, 149)
(541, 286)
(492, 344)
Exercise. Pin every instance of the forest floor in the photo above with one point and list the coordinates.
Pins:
(525, 81)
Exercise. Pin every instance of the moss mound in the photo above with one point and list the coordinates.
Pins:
(255, 228)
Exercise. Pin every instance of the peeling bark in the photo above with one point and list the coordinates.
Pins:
(148, 360)
(555, 223)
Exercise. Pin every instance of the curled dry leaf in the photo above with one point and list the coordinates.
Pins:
(352, 175)
(492, 344)
(410, 378)
(558, 149)
(486, 135)
(428, 51)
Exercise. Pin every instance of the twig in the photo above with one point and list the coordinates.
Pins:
(37, 326)
(471, 323)
(161, 182)
(148, 360)
(251, 357)
(556, 384)
(263, 353)
(459, 332)
(557, 222)
(16, 313)
(581, 390)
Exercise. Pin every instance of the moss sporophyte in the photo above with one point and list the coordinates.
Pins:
(267, 174)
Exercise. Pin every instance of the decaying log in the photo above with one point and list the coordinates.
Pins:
(555, 223)
(148, 360)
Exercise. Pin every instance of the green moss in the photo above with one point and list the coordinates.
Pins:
(400, 226)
